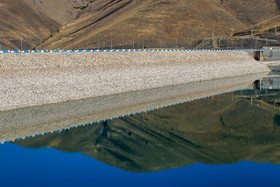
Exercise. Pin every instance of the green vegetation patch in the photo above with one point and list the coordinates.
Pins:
(84, 6)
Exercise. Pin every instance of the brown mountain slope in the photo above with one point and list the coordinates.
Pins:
(159, 23)
(30, 18)
(162, 23)
(252, 11)
(265, 33)
(271, 25)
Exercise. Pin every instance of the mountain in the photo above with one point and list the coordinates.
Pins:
(267, 29)
(222, 130)
(32, 18)
(159, 23)
(150, 23)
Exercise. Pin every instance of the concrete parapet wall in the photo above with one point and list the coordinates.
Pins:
(29, 79)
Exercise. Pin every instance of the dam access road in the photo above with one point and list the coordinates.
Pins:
(33, 79)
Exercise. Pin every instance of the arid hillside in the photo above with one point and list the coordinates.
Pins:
(267, 29)
(159, 23)
(122, 23)
(32, 20)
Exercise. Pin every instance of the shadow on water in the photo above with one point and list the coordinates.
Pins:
(224, 129)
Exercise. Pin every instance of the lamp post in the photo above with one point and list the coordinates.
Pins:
(0, 43)
(21, 42)
(133, 43)
(56, 42)
(111, 43)
(98, 42)
(40, 42)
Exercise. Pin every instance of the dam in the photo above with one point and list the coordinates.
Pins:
(33, 79)
(48, 91)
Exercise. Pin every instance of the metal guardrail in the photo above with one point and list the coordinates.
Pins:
(128, 50)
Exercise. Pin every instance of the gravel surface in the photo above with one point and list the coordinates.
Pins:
(43, 78)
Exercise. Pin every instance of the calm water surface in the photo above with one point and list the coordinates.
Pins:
(227, 140)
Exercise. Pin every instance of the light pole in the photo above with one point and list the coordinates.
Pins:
(98, 42)
(56, 42)
(21, 42)
(72, 43)
(111, 43)
(40, 42)
(0, 43)
(133, 43)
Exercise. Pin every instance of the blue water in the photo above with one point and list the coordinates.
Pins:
(219, 130)
(22, 166)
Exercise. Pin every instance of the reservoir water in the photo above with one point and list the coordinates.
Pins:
(231, 139)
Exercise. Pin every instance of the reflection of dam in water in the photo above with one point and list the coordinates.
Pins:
(268, 83)
(266, 89)
(31, 121)
(266, 95)
(224, 129)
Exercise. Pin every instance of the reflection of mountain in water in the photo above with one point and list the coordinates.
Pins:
(222, 130)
